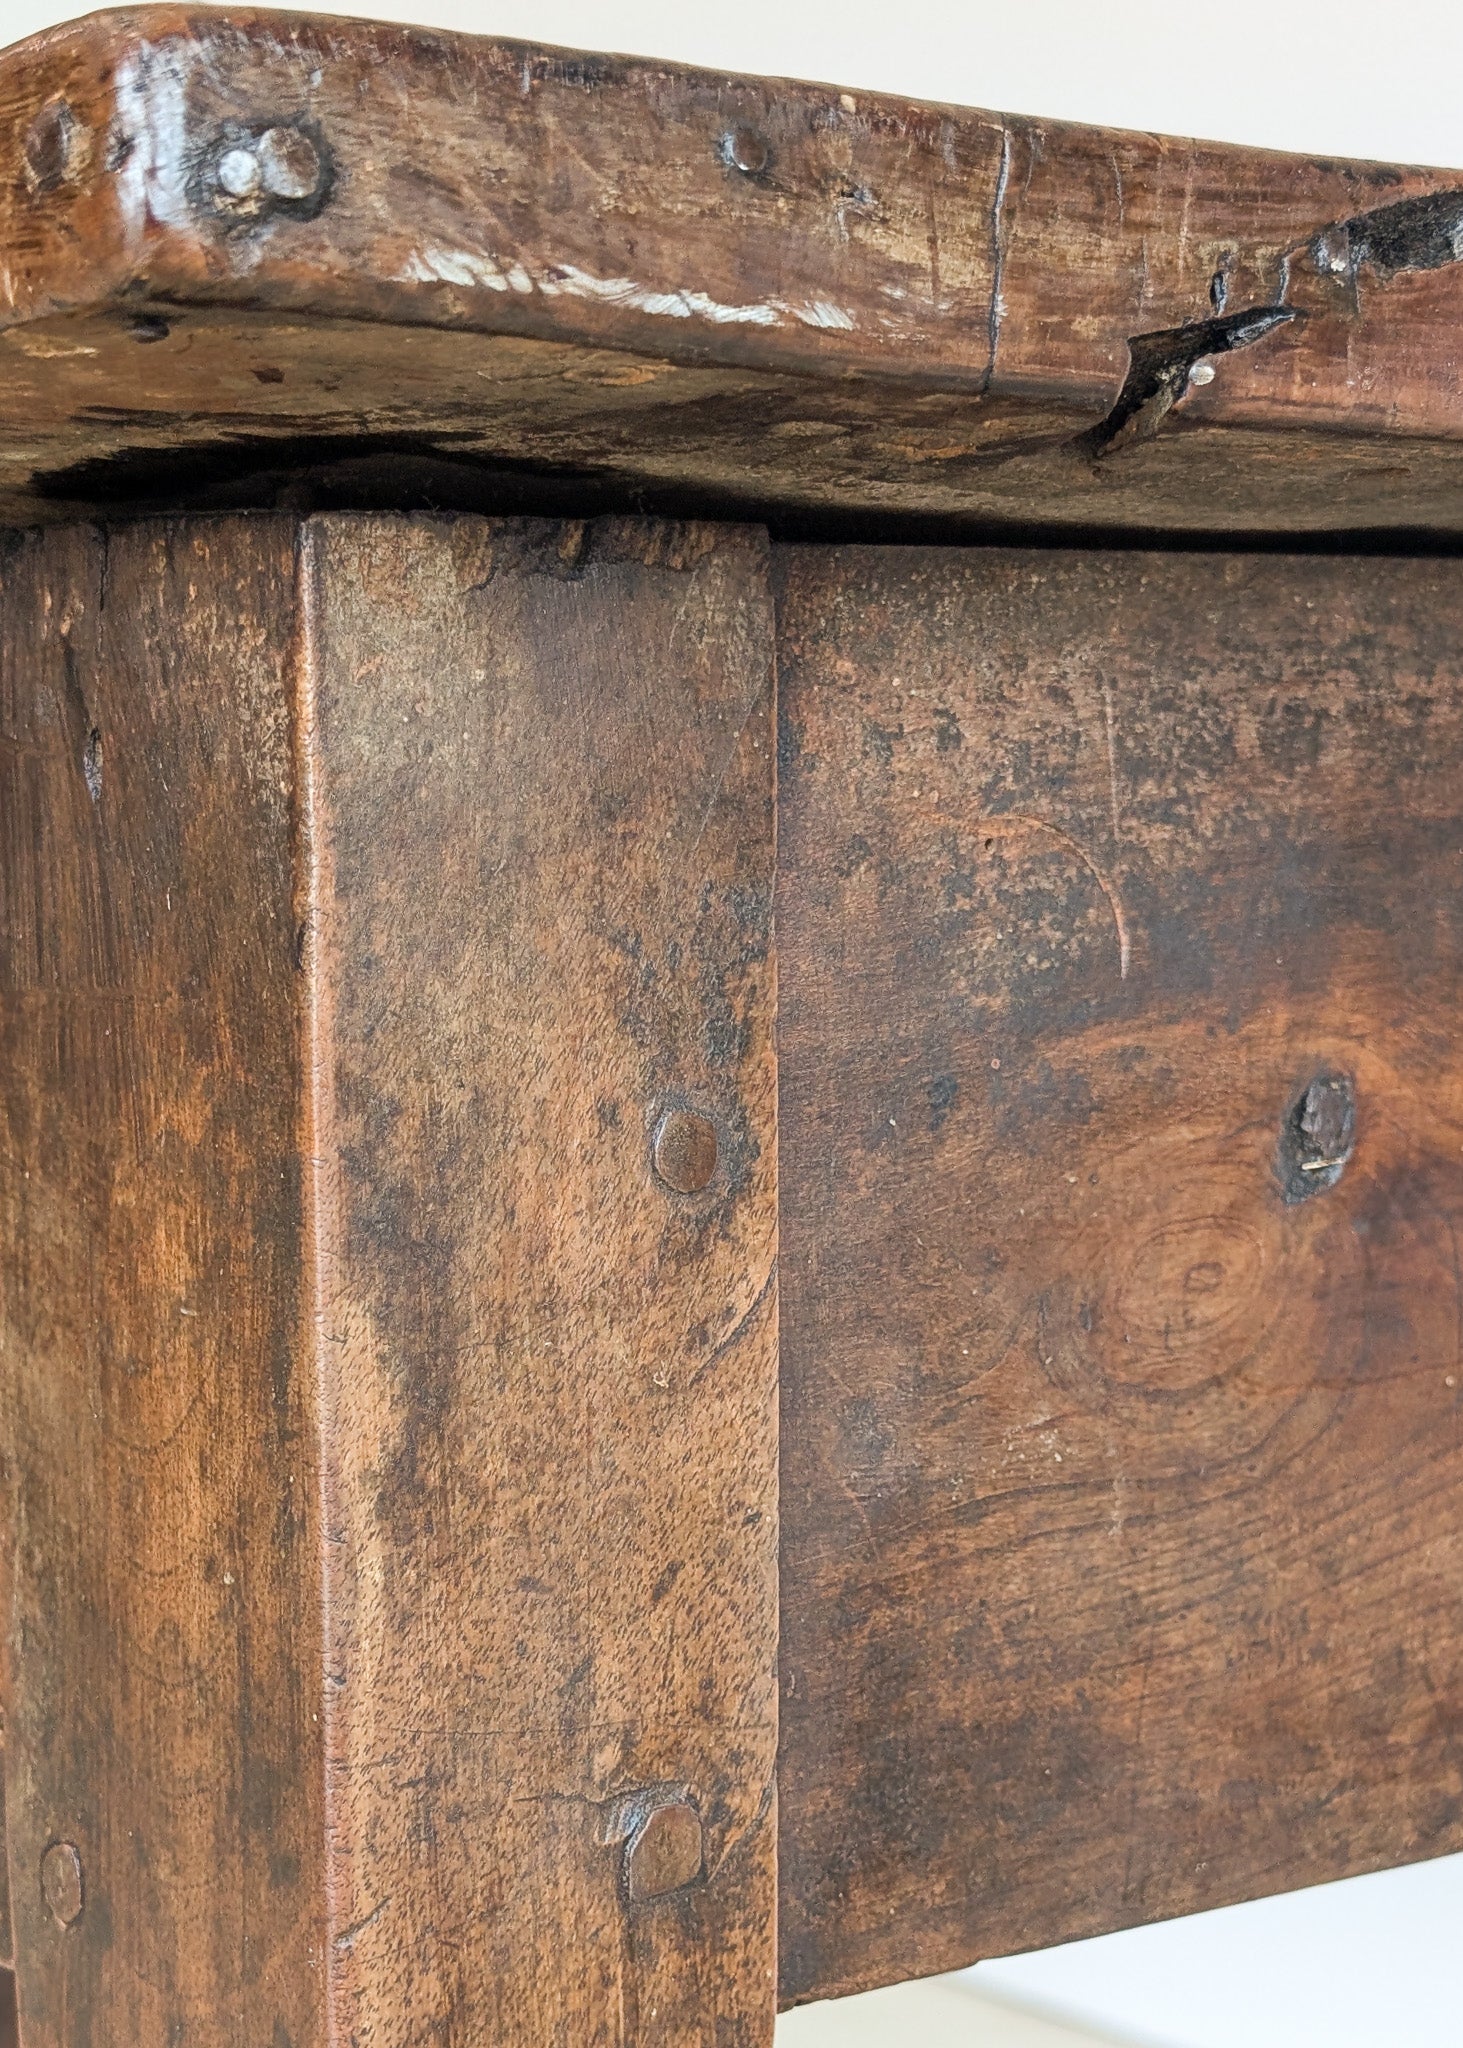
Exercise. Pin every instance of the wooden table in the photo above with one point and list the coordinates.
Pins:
(731, 1151)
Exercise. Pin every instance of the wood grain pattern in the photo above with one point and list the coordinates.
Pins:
(1123, 1490)
(395, 1454)
(165, 1637)
(734, 290)
(545, 870)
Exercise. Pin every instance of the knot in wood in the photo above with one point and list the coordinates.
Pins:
(1317, 1136)
(57, 147)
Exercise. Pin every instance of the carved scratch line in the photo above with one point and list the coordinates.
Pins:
(757, 698)
(1114, 901)
(744, 1323)
(349, 1936)
(1110, 721)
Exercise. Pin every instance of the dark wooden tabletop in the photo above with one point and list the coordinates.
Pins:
(239, 243)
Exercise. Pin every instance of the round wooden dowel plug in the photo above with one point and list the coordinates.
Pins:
(685, 1150)
(746, 151)
(61, 1883)
(664, 1853)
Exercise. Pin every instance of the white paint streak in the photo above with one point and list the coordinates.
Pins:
(452, 266)
(567, 281)
(152, 100)
(571, 282)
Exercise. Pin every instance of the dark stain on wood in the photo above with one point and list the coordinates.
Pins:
(1412, 234)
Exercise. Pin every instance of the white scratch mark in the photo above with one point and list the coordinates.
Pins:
(349, 1936)
(1110, 721)
(822, 314)
(726, 767)
(998, 254)
(45, 351)
(1005, 819)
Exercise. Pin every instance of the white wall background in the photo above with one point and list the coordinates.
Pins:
(1377, 1962)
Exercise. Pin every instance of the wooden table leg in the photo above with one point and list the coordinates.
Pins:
(388, 1187)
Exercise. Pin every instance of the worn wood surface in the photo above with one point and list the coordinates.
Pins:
(389, 1315)
(164, 1798)
(1122, 1170)
(540, 773)
(237, 241)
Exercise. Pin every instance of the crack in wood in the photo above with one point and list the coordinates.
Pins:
(1161, 367)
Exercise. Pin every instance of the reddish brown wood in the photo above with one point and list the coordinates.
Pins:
(1122, 1127)
(737, 291)
(166, 1636)
(387, 1135)
(395, 1451)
